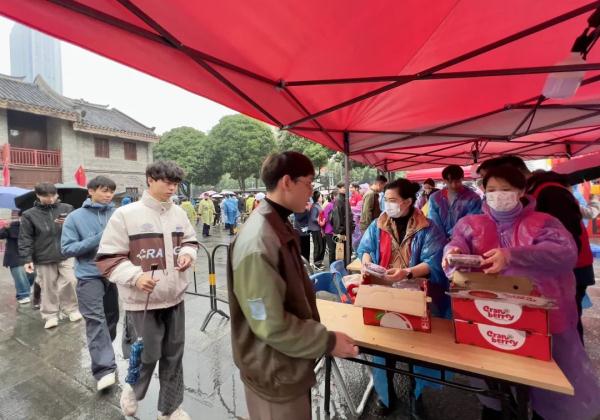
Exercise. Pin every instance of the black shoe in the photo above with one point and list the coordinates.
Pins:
(490, 414)
(382, 410)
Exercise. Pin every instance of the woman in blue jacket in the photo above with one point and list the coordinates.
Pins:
(408, 245)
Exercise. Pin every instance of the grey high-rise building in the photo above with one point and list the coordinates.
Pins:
(33, 53)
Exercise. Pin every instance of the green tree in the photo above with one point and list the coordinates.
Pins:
(241, 144)
(319, 155)
(191, 149)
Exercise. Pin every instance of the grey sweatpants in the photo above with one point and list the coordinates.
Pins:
(164, 339)
(57, 281)
(99, 305)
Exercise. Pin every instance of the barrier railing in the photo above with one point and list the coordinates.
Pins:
(212, 283)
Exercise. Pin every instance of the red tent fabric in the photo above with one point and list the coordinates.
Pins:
(430, 86)
(436, 173)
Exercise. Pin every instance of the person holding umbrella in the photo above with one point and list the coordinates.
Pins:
(146, 248)
(39, 249)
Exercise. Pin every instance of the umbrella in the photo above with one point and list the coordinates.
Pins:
(73, 195)
(135, 356)
(580, 169)
(211, 192)
(227, 192)
(8, 195)
(216, 196)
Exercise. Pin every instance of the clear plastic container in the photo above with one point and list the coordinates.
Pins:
(375, 270)
(463, 260)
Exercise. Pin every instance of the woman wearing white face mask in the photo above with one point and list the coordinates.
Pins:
(516, 240)
(409, 245)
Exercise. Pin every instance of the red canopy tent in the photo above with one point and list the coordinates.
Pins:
(398, 85)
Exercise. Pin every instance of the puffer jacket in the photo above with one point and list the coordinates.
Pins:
(39, 236)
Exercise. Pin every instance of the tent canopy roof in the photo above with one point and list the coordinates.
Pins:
(399, 85)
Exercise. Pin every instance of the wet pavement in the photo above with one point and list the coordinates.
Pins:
(46, 374)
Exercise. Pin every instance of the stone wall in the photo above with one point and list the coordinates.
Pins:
(126, 173)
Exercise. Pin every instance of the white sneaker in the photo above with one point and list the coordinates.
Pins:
(24, 300)
(178, 414)
(75, 316)
(106, 381)
(129, 403)
(51, 323)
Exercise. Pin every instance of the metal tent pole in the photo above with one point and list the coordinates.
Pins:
(348, 245)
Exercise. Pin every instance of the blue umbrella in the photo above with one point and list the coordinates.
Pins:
(135, 357)
(7, 196)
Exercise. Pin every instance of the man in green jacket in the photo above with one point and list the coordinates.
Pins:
(370, 208)
(276, 333)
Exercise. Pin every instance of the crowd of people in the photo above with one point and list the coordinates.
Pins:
(83, 262)
(525, 225)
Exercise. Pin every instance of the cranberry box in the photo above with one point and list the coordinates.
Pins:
(507, 340)
(403, 306)
(396, 320)
(527, 313)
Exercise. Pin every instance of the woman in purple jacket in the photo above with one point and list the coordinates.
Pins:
(516, 240)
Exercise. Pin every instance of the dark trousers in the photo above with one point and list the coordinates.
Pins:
(584, 277)
(318, 247)
(330, 247)
(99, 305)
(305, 246)
(164, 339)
(205, 229)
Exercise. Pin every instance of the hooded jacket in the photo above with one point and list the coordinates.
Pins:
(81, 236)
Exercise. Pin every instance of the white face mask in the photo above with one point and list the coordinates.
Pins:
(502, 200)
(393, 210)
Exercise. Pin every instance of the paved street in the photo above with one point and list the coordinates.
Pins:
(46, 374)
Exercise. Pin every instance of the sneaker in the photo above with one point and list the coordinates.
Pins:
(178, 414)
(128, 402)
(24, 301)
(75, 316)
(106, 381)
(51, 323)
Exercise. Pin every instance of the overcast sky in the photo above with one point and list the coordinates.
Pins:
(151, 101)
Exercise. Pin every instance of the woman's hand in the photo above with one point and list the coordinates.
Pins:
(497, 258)
(395, 274)
(451, 251)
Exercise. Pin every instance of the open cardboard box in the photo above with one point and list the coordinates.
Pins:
(404, 309)
(499, 313)
(493, 282)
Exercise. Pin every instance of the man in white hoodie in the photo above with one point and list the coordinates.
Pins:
(150, 233)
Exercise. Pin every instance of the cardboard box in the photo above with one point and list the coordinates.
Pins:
(401, 308)
(507, 340)
(495, 282)
(526, 313)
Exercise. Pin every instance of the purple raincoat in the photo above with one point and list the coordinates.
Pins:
(544, 251)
